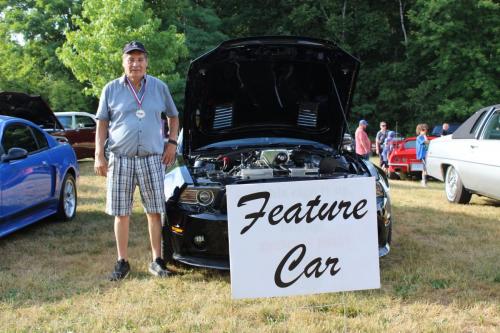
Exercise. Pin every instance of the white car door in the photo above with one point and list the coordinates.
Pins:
(486, 157)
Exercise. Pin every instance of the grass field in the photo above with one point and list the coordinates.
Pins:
(442, 275)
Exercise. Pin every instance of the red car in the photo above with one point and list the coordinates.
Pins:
(403, 159)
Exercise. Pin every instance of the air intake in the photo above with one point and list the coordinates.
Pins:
(308, 114)
(223, 117)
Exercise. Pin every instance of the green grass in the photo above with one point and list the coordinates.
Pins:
(442, 275)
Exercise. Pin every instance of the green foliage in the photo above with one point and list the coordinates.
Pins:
(456, 53)
(30, 32)
(93, 52)
(422, 61)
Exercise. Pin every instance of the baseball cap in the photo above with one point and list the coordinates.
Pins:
(134, 46)
(363, 122)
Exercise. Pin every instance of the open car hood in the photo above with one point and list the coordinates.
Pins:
(29, 107)
(293, 87)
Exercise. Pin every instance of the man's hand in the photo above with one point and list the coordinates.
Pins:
(101, 166)
(168, 157)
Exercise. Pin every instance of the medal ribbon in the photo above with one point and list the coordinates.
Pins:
(137, 99)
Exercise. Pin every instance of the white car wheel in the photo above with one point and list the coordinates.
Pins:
(455, 191)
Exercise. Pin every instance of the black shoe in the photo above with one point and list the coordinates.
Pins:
(158, 268)
(122, 268)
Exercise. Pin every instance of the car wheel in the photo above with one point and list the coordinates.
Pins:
(66, 210)
(455, 191)
(403, 176)
(166, 242)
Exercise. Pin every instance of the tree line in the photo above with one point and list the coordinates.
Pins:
(422, 60)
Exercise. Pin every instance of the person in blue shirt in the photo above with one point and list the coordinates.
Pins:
(387, 148)
(422, 145)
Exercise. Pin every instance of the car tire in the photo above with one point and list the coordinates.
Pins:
(166, 240)
(66, 209)
(454, 189)
(403, 175)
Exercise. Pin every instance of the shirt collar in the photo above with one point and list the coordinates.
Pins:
(122, 79)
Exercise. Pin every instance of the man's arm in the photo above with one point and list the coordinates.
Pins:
(101, 133)
(170, 148)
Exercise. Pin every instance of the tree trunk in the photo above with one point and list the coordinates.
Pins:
(402, 17)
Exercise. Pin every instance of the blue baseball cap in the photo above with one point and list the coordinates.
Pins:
(363, 122)
(134, 46)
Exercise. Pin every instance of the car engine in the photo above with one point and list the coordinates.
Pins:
(256, 164)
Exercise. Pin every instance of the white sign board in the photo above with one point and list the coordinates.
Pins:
(303, 237)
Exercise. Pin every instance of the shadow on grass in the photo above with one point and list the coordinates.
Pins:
(434, 259)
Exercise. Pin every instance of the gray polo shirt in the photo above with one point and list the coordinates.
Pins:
(128, 134)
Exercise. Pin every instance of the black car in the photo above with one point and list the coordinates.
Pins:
(261, 109)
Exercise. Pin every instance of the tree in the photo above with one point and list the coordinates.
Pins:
(455, 53)
(93, 51)
(30, 32)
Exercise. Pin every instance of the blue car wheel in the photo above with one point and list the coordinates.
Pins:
(68, 199)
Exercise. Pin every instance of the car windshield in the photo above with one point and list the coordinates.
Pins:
(410, 144)
(65, 121)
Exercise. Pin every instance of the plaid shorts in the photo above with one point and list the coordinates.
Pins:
(124, 173)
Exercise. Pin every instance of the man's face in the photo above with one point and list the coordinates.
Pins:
(446, 126)
(135, 64)
(383, 126)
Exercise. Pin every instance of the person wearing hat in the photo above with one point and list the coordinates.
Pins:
(129, 116)
(363, 145)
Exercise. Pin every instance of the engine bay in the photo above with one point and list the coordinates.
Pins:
(256, 164)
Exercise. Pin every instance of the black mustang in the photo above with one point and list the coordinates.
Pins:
(262, 109)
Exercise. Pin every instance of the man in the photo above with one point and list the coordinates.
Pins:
(379, 140)
(363, 145)
(130, 116)
(445, 129)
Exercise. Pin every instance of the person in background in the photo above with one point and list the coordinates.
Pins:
(130, 116)
(445, 128)
(363, 145)
(422, 145)
(387, 148)
(380, 138)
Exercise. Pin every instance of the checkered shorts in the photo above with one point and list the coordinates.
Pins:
(124, 173)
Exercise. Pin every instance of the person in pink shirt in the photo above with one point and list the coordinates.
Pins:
(363, 145)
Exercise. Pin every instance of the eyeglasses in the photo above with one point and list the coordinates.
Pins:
(383, 125)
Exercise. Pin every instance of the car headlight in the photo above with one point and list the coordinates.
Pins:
(379, 190)
(198, 196)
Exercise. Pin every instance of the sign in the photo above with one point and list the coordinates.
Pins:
(303, 237)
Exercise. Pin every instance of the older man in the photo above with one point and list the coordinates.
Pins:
(130, 116)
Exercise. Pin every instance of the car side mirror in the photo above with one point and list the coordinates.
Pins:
(14, 153)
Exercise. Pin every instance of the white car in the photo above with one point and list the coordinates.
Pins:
(468, 161)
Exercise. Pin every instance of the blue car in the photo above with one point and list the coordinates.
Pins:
(38, 175)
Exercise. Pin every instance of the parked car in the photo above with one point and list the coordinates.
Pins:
(38, 175)
(468, 161)
(79, 129)
(438, 129)
(403, 161)
(34, 109)
(261, 109)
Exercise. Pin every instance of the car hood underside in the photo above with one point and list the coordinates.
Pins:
(269, 86)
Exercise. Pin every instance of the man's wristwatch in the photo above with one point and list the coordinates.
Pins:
(171, 141)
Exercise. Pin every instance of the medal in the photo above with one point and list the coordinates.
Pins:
(140, 113)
